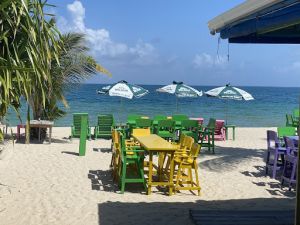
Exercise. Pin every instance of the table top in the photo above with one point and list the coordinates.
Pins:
(41, 122)
(154, 142)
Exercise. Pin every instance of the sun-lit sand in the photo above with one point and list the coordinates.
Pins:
(49, 184)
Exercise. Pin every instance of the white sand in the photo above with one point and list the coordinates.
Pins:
(48, 184)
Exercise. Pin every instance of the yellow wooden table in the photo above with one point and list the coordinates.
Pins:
(153, 143)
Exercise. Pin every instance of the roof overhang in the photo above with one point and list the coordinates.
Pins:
(260, 21)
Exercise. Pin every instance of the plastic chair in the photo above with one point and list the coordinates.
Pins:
(104, 126)
(76, 127)
(132, 165)
(187, 162)
(165, 129)
(207, 135)
(274, 153)
(220, 130)
(190, 128)
(290, 163)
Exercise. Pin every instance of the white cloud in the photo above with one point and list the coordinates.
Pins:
(100, 42)
(293, 67)
(205, 60)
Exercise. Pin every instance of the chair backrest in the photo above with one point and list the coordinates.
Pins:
(105, 119)
(159, 117)
(219, 125)
(286, 131)
(165, 124)
(133, 117)
(179, 117)
(141, 132)
(181, 140)
(188, 142)
(77, 121)
(289, 120)
(296, 113)
(211, 123)
(116, 139)
(143, 123)
(290, 145)
(195, 149)
(272, 139)
(189, 124)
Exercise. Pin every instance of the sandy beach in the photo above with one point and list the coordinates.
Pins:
(50, 184)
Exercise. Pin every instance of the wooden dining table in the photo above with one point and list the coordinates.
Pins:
(155, 144)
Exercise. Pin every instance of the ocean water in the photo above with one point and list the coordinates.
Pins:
(268, 109)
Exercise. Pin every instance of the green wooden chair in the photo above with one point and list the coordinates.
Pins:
(207, 135)
(190, 128)
(296, 114)
(178, 118)
(166, 129)
(143, 123)
(286, 131)
(76, 127)
(132, 165)
(290, 122)
(104, 126)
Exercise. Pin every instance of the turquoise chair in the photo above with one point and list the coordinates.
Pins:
(76, 127)
(104, 126)
(166, 129)
(190, 128)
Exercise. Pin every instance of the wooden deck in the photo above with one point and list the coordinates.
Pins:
(226, 217)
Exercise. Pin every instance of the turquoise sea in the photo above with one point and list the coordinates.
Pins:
(268, 109)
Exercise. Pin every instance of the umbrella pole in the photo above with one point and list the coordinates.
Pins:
(176, 104)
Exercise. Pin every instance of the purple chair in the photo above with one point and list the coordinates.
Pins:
(274, 153)
(290, 164)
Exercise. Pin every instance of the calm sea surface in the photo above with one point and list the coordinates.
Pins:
(268, 109)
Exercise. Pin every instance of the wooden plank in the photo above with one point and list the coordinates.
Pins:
(228, 217)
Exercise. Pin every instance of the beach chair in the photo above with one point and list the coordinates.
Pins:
(143, 123)
(290, 122)
(285, 131)
(76, 127)
(290, 163)
(190, 128)
(132, 165)
(104, 126)
(296, 114)
(207, 135)
(275, 153)
(155, 121)
(116, 154)
(220, 130)
(187, 162)
(178, 118)
(165, 129)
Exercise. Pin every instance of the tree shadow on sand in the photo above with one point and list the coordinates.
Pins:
(175, 213)
(228, 159)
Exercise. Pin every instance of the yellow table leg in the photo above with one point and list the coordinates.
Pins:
(171, 184)
(150, 172)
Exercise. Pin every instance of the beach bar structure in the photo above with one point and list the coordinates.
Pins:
(265, 22)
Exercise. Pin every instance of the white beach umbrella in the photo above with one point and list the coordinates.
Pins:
(229, 92)
(181, 90)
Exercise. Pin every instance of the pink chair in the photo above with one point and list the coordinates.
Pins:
(220, 134)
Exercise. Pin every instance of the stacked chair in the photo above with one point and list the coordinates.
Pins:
(104, 126)
(127, 161)
(76, 127)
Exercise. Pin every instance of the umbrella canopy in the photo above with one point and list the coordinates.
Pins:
(124, 90)
(229, 92)
(181, 90)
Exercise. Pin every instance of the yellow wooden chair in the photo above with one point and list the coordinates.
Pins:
(116, 154)
(187, 162)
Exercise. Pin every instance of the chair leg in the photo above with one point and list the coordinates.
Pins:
(123, 178)
(197, 176)
(274, 166)
(267, 162)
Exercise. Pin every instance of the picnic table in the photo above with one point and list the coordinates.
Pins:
(42, 124)
(154, 143)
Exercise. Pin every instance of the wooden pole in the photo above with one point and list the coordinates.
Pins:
(83, 135)
(297, 211)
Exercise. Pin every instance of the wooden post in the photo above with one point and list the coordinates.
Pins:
(83, 135)
(297, 211)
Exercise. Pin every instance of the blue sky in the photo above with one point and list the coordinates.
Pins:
(156, 42)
